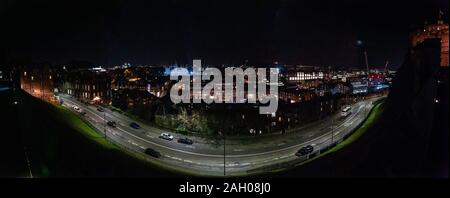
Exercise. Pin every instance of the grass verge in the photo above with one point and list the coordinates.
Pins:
(75, 122)
(86, 129)
(367, 124)
(371, 119)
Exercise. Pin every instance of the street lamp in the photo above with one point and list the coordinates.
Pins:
(31, 84)
(42, 86)
(104, 118)
(332, 128)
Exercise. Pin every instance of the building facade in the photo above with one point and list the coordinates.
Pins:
(438, 30)
(38, 81)
(88, 85)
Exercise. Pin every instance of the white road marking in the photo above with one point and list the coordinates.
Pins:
(232, 156)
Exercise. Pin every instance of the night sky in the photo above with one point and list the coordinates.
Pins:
(112, 32)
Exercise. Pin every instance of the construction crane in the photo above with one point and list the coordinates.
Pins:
(385, 66)
(367, 63)
(367, 68)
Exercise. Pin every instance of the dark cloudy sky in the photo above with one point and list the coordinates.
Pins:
(217, 31)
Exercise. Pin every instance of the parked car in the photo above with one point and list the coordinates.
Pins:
(134, 125)
(83, 113)
(152, 152)
(185, 141)
(305, 150)
(166, 136)
(111, 124)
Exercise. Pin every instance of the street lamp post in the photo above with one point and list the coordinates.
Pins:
(224, 153)
(31, 85)
(332, 128)
(42, 85)
(224, 142)
(104, 118)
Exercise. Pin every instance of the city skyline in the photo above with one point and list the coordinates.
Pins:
(224, 97)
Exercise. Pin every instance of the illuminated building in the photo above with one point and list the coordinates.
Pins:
(437, 30)
(39, 82)
(90, 86)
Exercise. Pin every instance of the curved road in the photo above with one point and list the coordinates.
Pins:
(206, 157)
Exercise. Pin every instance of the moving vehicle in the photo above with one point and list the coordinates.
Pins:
(100, 109)
(76, 108)
(134, 125)
(166, 136)
(346, 111)
(305, 150)
(185, 141)
(152, 152)
(111, 124)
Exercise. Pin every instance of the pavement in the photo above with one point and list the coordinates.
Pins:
(208, 157)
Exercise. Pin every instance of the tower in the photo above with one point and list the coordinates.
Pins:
(437, 30)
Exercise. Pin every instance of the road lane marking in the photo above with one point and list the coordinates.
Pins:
(232, 156)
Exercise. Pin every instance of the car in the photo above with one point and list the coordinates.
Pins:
(76, 108)
(134, 125)
(152, 152)
(305, 150)
(100, 109)
(166, 136)
(345, 114)
(346, 111)
(185, 141)
(111, 124)
(83, 113)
